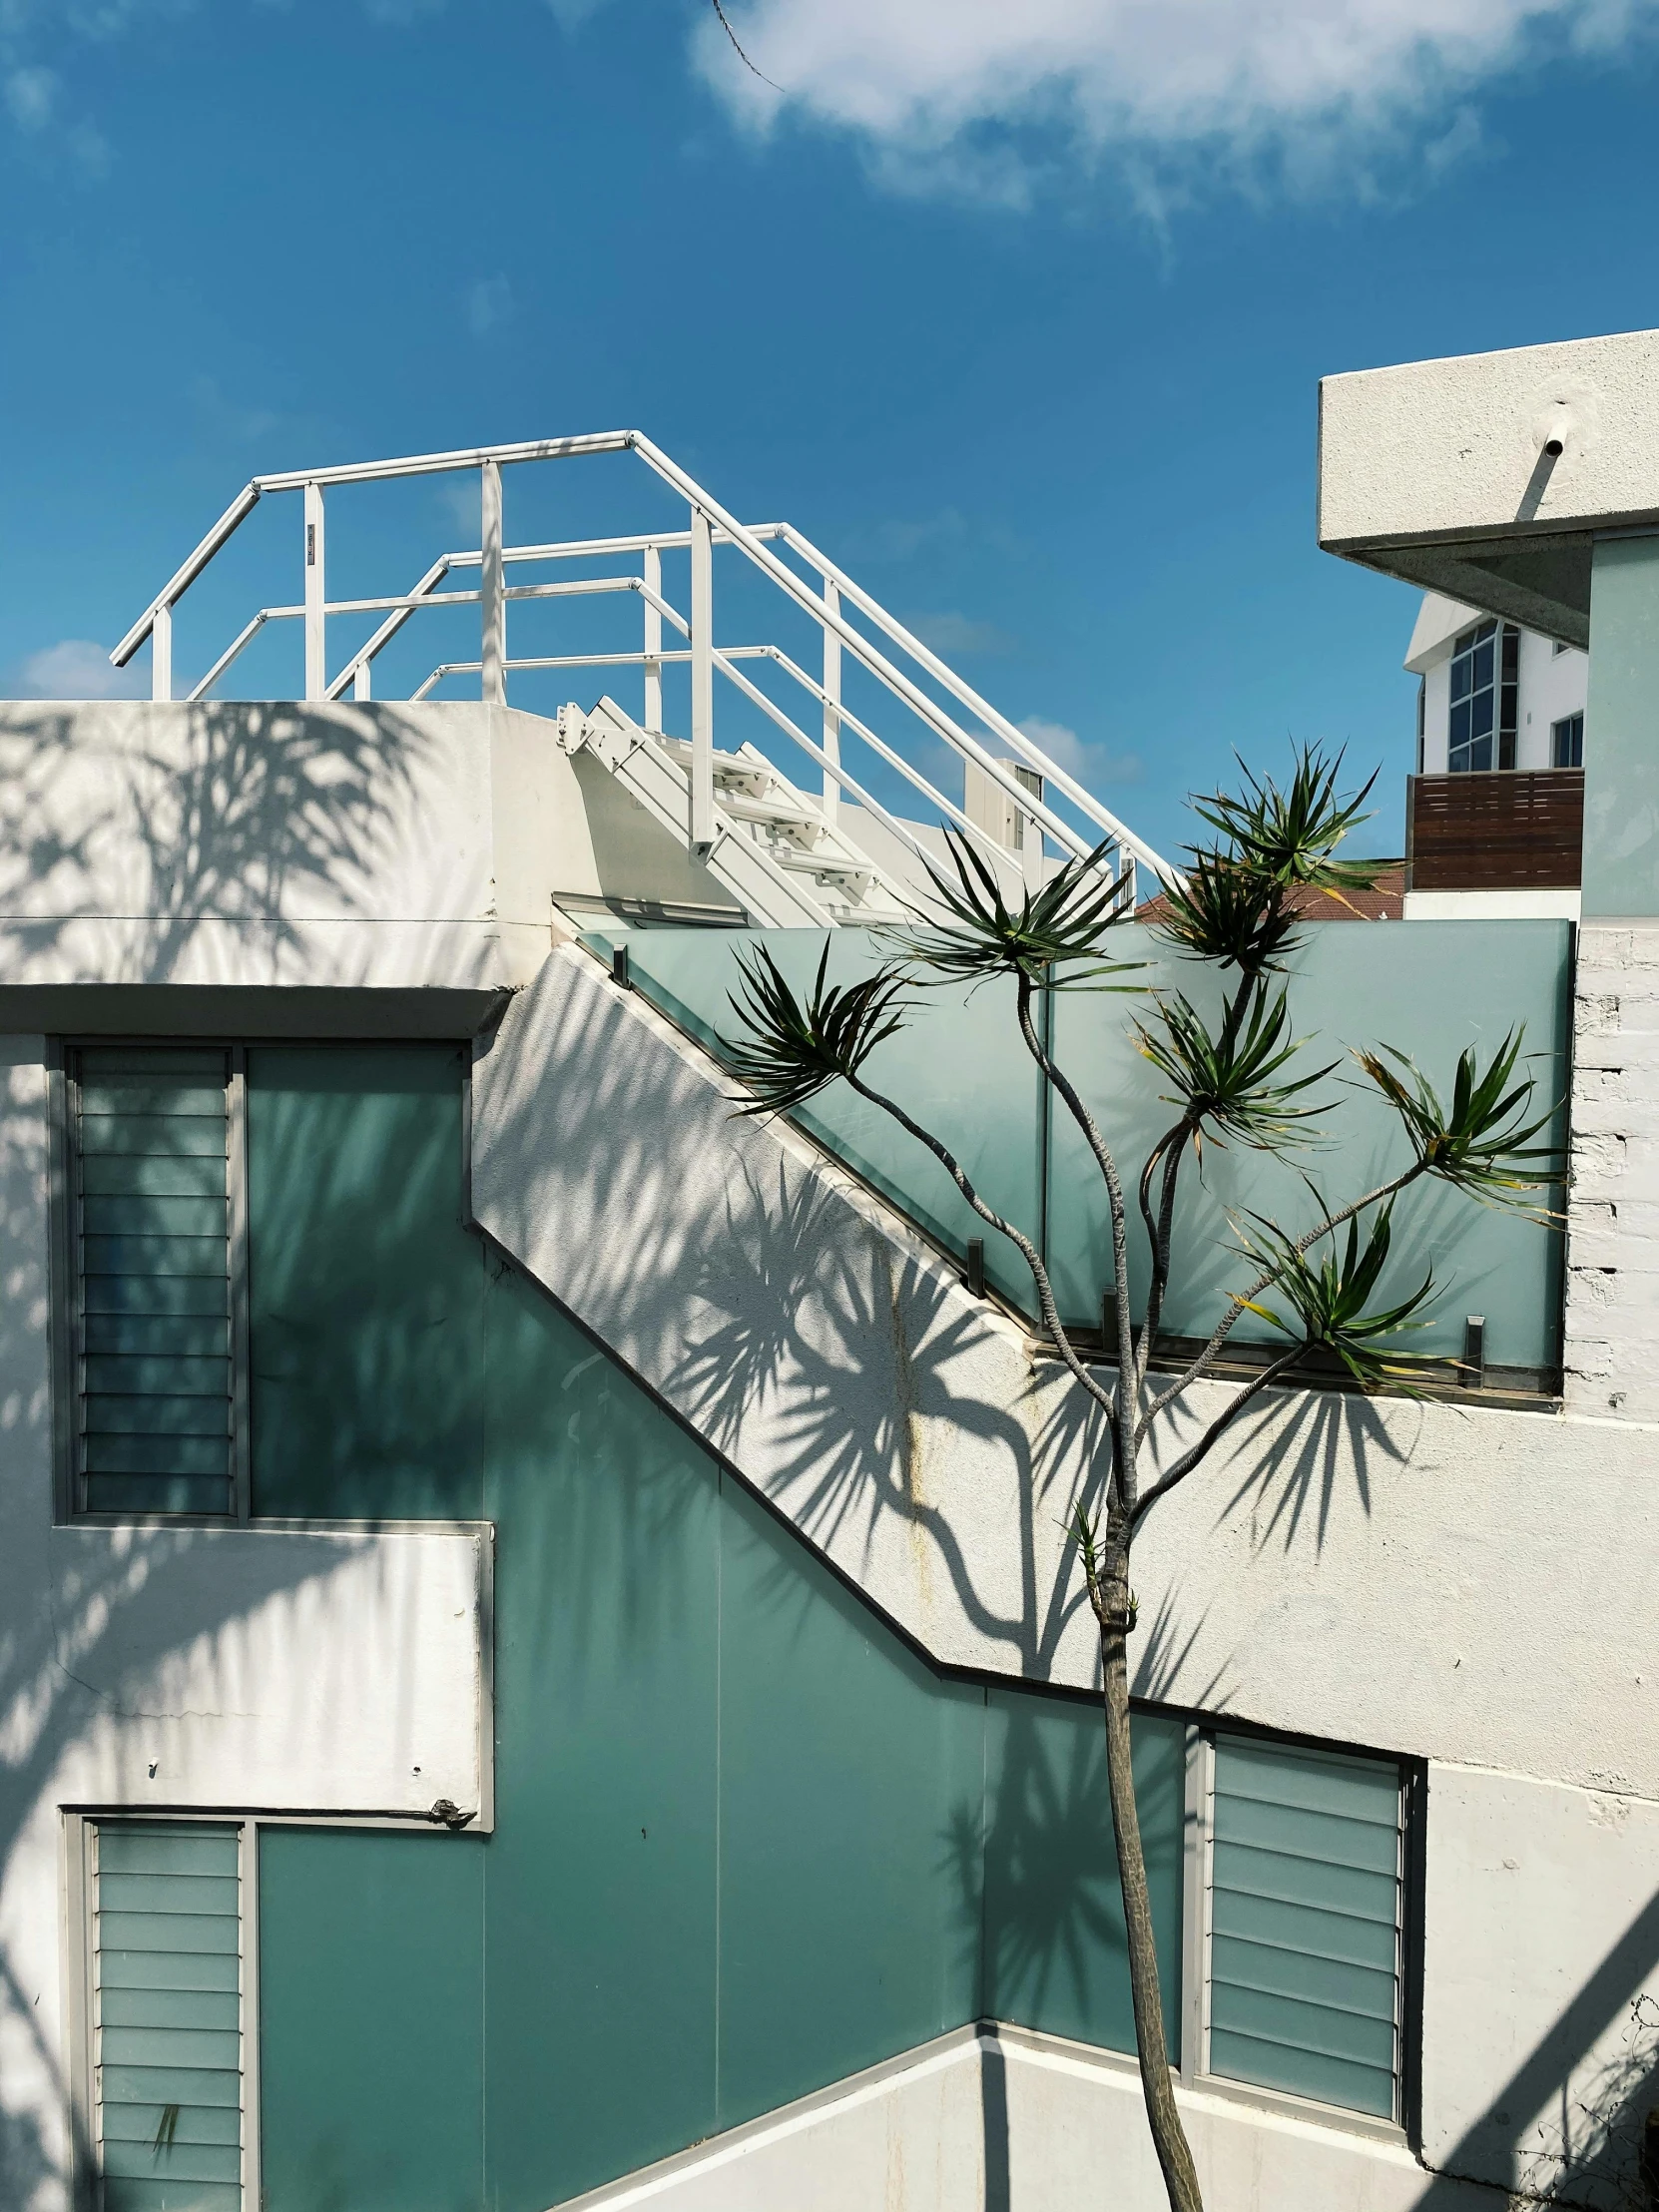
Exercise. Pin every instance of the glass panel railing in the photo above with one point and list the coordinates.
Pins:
(958, 1067)
(1429, 987)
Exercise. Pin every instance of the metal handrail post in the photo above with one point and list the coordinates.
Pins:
(316, 621)
(653, 724)
(361, 683)
(832, 703)
(161, 653)
(493, 592)
(701, 685)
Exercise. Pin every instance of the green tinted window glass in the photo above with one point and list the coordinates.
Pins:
(167, 1979)
(1305, 1901)
(153, 1282)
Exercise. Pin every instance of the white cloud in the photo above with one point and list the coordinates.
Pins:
(76, 668)
(984, 93)
(489, 305)
(1091, 765)
(953, 633)
(30, 96)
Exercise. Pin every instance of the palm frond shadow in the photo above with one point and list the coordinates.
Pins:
(1297, 1451)
(263, 815)
(853, 1364)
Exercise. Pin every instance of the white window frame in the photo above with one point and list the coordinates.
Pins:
(1197, 1861)
(76, 1948)
(67, 1352)
(80, 1895)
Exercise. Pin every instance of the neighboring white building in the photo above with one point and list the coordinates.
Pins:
(1492, 695)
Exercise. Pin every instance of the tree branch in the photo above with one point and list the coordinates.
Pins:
(1217, 1429)
(1122, 1400)
(1240, 1299)
(1023, 1243)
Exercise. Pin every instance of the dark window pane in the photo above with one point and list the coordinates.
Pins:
(1461, 723)
(1482, 666)
(1460, 677)
(1480, 713)
(1480, 755)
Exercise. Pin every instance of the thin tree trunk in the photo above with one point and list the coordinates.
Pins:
(1168, 2138)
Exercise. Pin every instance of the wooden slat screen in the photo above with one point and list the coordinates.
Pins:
(153, 1265)
(1515, 829)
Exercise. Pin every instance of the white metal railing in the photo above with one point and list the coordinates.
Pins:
(828, 605)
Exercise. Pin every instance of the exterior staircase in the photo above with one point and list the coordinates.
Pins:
(774, 848)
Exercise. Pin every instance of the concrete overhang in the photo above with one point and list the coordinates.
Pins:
(1488, 478)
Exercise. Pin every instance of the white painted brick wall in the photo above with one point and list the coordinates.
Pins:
(1611, 1347)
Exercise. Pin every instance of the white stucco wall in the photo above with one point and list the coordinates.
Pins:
(298, 1670)
(1450, 446)
(1552, 685)
(374, 846)
(1017, 2123)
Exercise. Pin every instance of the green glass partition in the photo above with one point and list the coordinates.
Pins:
(1429, 989)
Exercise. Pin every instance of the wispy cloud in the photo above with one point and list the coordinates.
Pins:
(78, 668)
(489, 305)
(1095, 766)
(30, 93)
(34, 102)
(954, 633)
(978, 95)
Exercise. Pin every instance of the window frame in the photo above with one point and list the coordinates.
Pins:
(65, 1329)
(1504, 731)
(1193, 2070)
(1573, 725)
(80, 1982)
(77, 1893)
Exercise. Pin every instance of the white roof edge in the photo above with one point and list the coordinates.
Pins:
(1438, 621)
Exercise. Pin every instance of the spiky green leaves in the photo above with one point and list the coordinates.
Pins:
(1055, 936)
(1290, 837)
(1240, 903)
(1328, 1299)
(1482, 1143)
(791, 1051)
(1232, 1086)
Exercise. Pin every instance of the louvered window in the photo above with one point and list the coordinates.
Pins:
(155, 1185)
(1304, 1921)
(168, 2031)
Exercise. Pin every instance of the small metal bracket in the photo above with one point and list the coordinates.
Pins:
(619, 973)
(975, 1273)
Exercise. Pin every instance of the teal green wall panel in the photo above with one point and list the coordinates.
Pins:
(372, 2018)
(1621, 731)
(365, 1293)
(741, 1828)
(601, 1955)
(1055, 1952)
(852, 1786)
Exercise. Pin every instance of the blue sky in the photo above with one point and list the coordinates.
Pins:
(1020, 313)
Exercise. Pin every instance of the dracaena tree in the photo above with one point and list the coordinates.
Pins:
(1241, 1079)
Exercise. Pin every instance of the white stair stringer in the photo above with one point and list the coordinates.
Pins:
(773, 848)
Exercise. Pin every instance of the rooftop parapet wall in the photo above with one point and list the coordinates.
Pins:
(371, 846)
